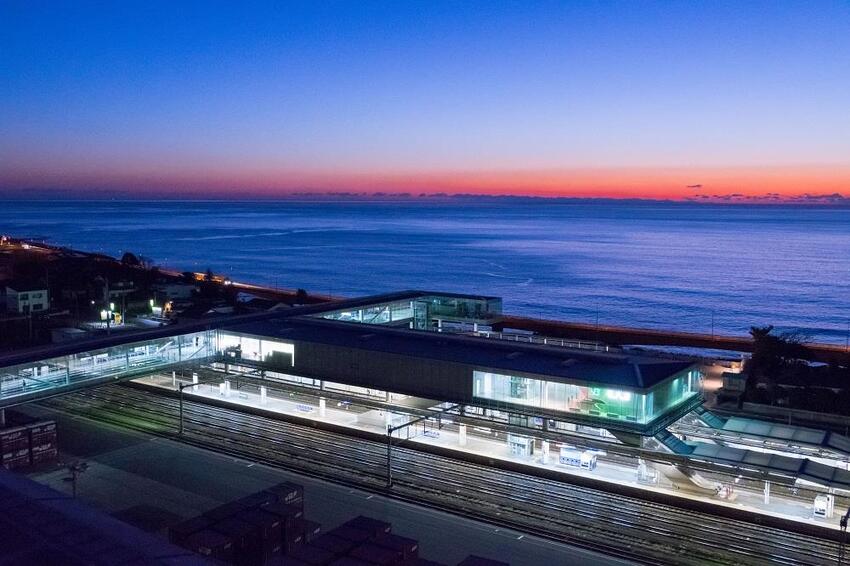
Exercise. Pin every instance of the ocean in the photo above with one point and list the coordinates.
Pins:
(656, 265)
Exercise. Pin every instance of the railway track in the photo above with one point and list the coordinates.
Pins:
(628, 528)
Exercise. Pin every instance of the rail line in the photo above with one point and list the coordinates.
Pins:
(628, 528)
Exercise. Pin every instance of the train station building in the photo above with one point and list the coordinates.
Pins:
(425, 355)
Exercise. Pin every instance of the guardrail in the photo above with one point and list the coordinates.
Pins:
(547, 341)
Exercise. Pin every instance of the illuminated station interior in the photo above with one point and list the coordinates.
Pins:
(428, 368)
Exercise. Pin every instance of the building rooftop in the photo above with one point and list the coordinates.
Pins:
(615, 369)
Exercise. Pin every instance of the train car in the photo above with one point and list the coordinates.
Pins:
(578, 458)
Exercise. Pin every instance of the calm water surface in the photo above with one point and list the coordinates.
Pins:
(655, 265)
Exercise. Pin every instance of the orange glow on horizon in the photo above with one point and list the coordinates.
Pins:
(674, 183)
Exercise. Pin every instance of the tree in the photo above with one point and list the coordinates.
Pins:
(209, 275)
(130, 259)
(776, 359)
(300, 296)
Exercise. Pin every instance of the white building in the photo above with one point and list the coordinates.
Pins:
(172, 291)
(27, 299)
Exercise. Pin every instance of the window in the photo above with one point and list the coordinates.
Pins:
(519, 387)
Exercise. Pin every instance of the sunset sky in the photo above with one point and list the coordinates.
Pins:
(608, 99)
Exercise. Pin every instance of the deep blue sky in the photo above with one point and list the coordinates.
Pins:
(327, 95)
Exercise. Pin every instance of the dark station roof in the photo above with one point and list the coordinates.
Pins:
(573, 365)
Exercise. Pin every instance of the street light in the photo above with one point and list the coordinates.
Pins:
(76, 468)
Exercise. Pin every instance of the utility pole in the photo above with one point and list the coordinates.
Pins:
(183, 386)
(108, 311)
(389, 456)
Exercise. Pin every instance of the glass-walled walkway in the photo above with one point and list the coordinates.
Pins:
(28, 381)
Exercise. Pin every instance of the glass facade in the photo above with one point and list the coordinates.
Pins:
(116, 361)
(420, 312)
(598, 401)
(400, 311)
(273, 353)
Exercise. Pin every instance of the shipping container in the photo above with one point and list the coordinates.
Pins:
(290, 514)
(373, 526)
(257, 499)
(311, 530)
(16, 459)
(225, 511)
(408, 547)
(269, 528)
(17, 462)
(45, 448)
(247, 545)
(14, 439)
(288, 493)
(286, 561)
(374, 554)
(473, 560)
(349, 561)
(211, 544)
(338, 546)
(313, 555)
(269, 525)
(178, 533)
(42, 428)
(292, 538)
(352, 534)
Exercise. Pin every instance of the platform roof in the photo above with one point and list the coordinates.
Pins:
(798, 468)
(550, 362)
(787, 434)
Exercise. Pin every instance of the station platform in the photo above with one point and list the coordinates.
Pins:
(486, 442)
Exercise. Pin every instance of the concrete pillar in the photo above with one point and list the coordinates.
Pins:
(227, 388)
(174, 379)
(767, 493)
(544, 449)
(263, 395)
(2, 417)
(388, 418)
(323, 409)
(439, 325)
(195, 381)
(461, 435)
(475, 327)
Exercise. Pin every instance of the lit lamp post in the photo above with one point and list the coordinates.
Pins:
(106, 315)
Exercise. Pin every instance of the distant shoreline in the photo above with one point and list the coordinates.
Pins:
(808, 201)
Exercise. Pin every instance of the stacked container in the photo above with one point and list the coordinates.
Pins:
(15, 447)
(43, 446)
(473, 560)
(252, 531)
